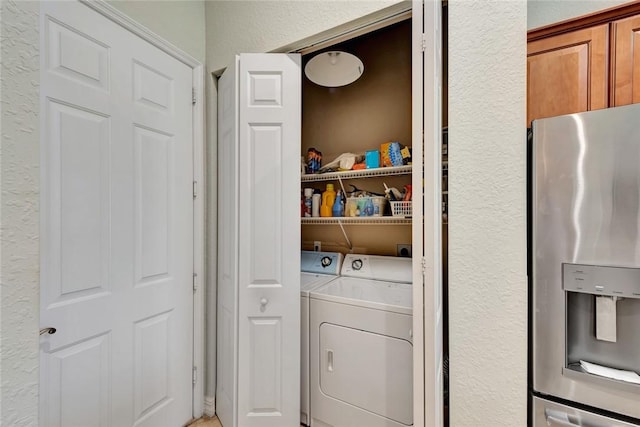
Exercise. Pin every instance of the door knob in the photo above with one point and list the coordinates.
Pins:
(264, 302)
(49, 331)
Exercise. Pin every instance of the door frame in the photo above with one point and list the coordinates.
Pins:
(197, 68)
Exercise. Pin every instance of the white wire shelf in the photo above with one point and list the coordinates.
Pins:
(362, 173)
(356, 220)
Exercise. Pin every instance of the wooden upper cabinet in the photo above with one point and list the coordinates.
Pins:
(626, 61)
(568, 73)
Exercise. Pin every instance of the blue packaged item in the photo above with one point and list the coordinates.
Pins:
(372, 159)
(314, 160)
(395, 155)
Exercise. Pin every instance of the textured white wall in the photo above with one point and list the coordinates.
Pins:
(19, 264)
(487, 217)
(262, 26)
(180, 22)
(545, 12)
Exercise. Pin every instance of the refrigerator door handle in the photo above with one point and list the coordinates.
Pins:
(562, 420)
(558, 422)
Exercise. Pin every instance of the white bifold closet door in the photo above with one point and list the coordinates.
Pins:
(259, 122)
(117, 225)
(428, 315)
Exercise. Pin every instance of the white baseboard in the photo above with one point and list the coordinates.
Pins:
(209, 406)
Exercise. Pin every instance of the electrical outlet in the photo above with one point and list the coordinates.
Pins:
(317, 246)
(404, 250)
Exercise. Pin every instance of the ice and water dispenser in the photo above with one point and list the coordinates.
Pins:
(603, 323)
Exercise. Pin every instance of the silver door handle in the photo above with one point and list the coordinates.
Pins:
(49, 331)
(553, 421)
(330, 360)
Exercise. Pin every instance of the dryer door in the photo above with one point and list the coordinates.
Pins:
(367, 370)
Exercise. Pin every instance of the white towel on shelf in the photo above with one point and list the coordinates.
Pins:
(616, 374)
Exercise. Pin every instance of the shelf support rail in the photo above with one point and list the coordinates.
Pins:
(344, 233)
(342, 186)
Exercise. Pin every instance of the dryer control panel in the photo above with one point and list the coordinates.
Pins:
(385, 268)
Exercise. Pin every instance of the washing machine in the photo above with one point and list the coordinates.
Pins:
(361, 345)
(316, 269)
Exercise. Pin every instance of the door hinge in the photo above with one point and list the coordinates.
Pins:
(193, 94)
(424, 42)
(195, 189)
(194, 375)
(195, 282)
(424, 266)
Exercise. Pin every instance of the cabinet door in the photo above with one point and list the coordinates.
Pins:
(567, 73)
(626, 70)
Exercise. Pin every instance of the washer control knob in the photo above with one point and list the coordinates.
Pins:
(356, 264)
(325, 261)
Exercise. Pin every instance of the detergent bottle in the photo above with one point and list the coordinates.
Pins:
(328, 198)
(338, 205)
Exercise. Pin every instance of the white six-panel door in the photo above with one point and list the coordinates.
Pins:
(117, 225)
(259, 255)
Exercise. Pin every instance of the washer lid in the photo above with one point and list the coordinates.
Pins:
(309, 281)
(389, 268)
(388, 296)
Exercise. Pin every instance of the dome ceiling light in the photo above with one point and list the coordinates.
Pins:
(334, 69)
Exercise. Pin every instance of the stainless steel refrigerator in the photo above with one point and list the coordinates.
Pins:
(585, 266)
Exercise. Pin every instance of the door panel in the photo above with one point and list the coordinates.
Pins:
(259, 240)
(626, 69)
(380, 382)
(117, 225)
(568, 73)
(79, 140)
(269, 240)
(80, 372)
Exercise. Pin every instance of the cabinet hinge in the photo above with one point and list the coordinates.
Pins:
(424, 42)
(195, 189)
(195, 282)
(193, 95)
(194, 375)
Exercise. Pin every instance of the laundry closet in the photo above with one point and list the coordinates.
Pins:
(355, 118)
(263, 229)
(359, 339)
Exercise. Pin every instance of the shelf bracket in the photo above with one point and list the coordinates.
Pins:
(344, 233)
(344, 193)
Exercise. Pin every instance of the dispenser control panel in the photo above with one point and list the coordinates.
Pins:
(601, 280)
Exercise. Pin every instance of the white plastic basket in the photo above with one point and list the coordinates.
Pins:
(402, 208)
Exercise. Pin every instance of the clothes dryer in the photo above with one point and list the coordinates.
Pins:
(316, 269)
(362, 346)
